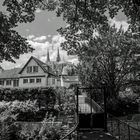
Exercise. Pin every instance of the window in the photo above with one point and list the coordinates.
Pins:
(38, 80)
(29, 69)
(8, 82)
(25, 81)
(1, 82)
(32, 80)
(32, 69)
(35, 68)
(15, 83)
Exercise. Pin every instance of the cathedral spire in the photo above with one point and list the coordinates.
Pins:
(48, 56)
(58, 59)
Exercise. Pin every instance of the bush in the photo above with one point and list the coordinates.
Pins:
(25, 110)
(47, 131)
(44, 97)
(8, 130)
(123, 106)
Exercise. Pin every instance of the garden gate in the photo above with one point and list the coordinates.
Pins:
(90, 113)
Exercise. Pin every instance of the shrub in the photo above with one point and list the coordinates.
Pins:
(123, 106)
(49, 130)
(26, 110)
(44, 96)
(8, 130)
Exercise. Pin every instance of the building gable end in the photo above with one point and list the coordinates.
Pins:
(32, 58)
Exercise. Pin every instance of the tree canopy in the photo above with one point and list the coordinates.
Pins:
(11, 43)
(82, 16)
(112, 58)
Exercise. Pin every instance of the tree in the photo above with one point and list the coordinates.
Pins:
(11, 43)
(83, 18)
(111, 57)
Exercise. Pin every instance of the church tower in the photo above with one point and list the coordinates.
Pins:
(48, 56)
(58, 59)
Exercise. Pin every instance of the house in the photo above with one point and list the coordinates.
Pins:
(36, 73)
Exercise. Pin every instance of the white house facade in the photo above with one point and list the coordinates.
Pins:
(36, 73)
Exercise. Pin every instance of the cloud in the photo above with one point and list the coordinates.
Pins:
(49, 20)
(49, 35)
(41, 49)
(57, 40)
(41, 38)
(118, 24)
(30, 36)
(74, 60)
(38, 11)
(27, 30)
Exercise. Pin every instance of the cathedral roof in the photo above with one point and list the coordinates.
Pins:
(48, 57)
(58, 59)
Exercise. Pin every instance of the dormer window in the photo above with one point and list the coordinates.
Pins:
(35, 68)
(31, 69)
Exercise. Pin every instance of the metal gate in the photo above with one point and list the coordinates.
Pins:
(91, 115)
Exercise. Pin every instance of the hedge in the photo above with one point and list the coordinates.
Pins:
(44, 96)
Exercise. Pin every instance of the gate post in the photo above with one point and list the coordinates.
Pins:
(77, 105)
(91, 117)
(105, 108)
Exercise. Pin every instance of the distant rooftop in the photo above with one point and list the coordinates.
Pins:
(12, 73)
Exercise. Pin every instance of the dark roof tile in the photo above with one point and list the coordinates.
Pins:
(12, 73)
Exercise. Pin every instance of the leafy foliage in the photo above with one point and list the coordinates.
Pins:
(43, 96)
(24, 110)
(110, 58)
(83, 18)
(30, 104)
(7, 128)
(123, 106)
(11, 43)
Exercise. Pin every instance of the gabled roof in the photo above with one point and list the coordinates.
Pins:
(41, 64)
(12, 73)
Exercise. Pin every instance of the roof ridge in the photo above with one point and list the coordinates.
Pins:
(38, 59)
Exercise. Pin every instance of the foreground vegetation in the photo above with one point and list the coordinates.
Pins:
(38, 117)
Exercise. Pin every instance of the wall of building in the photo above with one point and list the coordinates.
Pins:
(11, 85)
(52, 81)
(33, 75)
(32, 63)
(42, 83)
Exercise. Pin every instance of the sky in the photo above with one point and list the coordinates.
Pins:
(42, 35)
